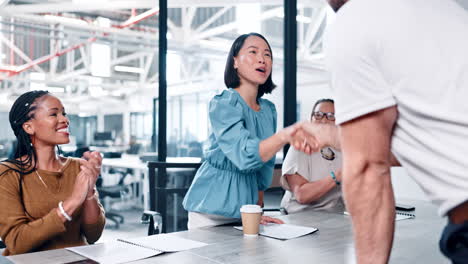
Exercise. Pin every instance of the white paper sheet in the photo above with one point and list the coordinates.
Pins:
(165, 242)
(398, 216)
(114, 252)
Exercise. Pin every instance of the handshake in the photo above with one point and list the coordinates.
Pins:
(310, 137)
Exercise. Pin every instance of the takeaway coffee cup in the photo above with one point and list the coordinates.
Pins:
(251, 215)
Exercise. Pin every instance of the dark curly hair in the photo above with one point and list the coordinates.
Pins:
(24, 159)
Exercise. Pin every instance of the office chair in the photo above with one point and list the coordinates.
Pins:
(114, 191)
(155, 221)
(272, 207)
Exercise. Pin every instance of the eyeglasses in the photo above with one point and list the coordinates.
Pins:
(319, 115)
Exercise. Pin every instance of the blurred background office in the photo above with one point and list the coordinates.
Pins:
(100, 57)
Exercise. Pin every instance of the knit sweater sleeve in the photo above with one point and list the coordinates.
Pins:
(93, 231)
(17, 230)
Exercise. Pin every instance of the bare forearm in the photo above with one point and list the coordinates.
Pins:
(372, 211)
(91, 211)
(312, 191)
(69, 206)
(333, 139)
(394, 162)
(270, 146)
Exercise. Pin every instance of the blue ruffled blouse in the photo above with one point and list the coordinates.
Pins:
(233, 171)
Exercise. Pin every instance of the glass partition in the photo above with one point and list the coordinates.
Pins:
(199, 39)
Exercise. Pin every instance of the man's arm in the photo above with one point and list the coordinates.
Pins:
(394, 162)
(367, 187)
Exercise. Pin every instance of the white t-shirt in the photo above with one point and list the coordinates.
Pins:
(413, 54)
(312, 168)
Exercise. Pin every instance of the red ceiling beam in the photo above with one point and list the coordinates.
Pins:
(132, 21)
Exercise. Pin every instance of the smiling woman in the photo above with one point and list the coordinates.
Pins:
(48, 201)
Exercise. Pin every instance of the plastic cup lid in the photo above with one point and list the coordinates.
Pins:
(251, 208)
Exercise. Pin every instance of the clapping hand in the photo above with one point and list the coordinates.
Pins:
(91, 166)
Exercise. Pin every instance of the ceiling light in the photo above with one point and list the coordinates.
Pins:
(68, 20)
(299, 18)
(121, 68)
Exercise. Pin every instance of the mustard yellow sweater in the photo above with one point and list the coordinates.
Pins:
(39, 227)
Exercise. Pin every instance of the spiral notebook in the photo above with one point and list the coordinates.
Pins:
(283, 231)
(126, 250)
(398, 215)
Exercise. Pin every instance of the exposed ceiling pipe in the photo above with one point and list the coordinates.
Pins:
(52, 21)
(128, 23)
(84, 6)
(136, 19)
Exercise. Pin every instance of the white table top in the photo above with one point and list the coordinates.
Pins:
(416, 241)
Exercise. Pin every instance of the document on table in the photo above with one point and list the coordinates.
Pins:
(283, 231)
(4, 260)
(127, 250)
(165, 242)
(398, 215)
(114, 252)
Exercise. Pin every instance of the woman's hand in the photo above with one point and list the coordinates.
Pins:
(287, 134)
(267, 219)
(80, 189)
(77, 197)
(318, 136)
(91, 164)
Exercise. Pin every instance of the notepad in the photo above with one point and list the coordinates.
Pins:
(283, 231)
(4, 260)
(126, 250)
(403, 216)
(398, 215)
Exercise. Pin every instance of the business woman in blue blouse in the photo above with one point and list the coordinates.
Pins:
(240, 160)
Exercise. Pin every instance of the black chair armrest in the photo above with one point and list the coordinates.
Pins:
(281, 210)
(155, 221)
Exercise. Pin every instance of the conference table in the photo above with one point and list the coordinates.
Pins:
(416, 241)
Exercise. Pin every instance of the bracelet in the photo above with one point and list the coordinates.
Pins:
(62, 211)
(334, 178)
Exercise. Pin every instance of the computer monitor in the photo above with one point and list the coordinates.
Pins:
(102, 136)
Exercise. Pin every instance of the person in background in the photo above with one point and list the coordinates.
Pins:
(243, 143)
(313, 181)
(133, 146)
(47, 201)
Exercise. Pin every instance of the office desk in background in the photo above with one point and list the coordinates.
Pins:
(140, 173)
(416, 241)
(139, 176)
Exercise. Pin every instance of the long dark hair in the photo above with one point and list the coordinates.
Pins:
(231, 78)
(22, 111)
